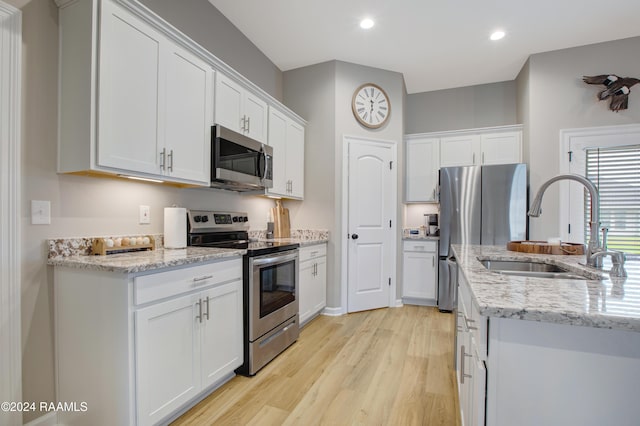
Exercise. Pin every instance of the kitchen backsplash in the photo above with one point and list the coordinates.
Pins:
(79, 246)
(301, 234)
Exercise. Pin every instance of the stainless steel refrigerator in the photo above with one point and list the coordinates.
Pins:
(478, 205)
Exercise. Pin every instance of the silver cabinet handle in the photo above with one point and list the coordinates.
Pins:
(248, 124)
(418, 247)
(474, 158)
(199, 316)
(170, 155)
(433, 262)
(163, 157)
(433, 194)
(207, 302)
(202, 278)
(242, 123)
(467, 321)
(483, 158)
(463, 375)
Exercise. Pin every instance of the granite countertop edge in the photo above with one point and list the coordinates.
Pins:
(130, 263)
(570, 302)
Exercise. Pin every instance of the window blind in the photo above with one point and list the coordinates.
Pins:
(615, 172)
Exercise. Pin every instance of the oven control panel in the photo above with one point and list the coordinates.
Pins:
(205, 219)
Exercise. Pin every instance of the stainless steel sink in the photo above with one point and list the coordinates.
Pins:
(529, 269)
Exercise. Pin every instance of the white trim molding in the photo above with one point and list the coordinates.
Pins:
(10, 113)
(577, 141)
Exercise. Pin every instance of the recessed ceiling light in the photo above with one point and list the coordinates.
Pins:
(497, 35)
(366, 23)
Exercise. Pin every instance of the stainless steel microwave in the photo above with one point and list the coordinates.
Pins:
(239, 163)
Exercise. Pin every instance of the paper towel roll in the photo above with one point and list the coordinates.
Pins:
(175, 227)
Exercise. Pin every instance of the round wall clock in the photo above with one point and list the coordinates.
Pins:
(370, 105)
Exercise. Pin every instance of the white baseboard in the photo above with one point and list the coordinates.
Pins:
(49, 419)
(333, 312)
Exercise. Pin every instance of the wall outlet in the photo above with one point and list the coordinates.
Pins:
(40, 212)
(145, 215)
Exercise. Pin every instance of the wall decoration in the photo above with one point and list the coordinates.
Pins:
(616, 88)
(371, 105)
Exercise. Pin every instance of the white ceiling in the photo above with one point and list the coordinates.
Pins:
(434, 44)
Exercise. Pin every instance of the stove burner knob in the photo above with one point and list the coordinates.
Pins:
(197, 218)
(235, 218)
(246, 219)
(205, 219)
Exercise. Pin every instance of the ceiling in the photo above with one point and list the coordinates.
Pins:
(434, 44)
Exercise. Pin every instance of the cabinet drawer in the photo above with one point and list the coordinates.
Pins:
(148, 288)
(426, 246)
(313, 252)
(476, 323)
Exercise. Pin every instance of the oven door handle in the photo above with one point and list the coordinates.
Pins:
(265, 261)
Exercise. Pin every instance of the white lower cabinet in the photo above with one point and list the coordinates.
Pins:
(470, 362)
(138, 348)
(530, 373)
(420, 272)
(185, 345)
(313, 281)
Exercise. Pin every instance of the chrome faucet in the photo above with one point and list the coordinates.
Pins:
(617, 259)
(593, 246)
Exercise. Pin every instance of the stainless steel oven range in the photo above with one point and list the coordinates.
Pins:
(271, 274)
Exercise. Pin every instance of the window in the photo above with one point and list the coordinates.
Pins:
(615, 171)
(609, 156)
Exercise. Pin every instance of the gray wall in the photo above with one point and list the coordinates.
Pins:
(84, 206)
(469, 107)
(213, 31)
(558, 99)
(322, 94)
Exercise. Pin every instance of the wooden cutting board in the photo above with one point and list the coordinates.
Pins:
(281, 225)
(542, 247)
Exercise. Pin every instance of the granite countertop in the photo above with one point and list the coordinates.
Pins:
(301, 241)
(421, 238)
(145, 260)
(599, 302)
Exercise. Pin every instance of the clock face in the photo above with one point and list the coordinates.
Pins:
(371, 105)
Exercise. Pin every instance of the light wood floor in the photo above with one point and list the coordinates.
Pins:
(382, 367)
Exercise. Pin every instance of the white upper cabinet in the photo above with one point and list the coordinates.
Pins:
(462, 150)
(286, 136)
(240, 110)
(480, 147)
(501, 148)
(189, 115)
(130, 76)
(145, 104)
(423, 162)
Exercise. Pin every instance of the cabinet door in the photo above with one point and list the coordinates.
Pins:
(479, 373)
(255, 115)
(460, 150)
(295, 159)
(278, 141)
(189, 116)
(222, 338)
(419, 275)
(130, 75)
(423, 162)
(320, 285)
(229, 112)
(501, 148)
(167, 357)
(306, 296)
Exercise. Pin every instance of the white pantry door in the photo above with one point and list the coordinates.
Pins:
(370, 215)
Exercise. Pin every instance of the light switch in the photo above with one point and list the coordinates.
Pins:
(145, 215)
(40, 212)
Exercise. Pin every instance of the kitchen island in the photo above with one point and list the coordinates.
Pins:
(534, 351)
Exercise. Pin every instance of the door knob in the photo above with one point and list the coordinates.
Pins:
(354, 236)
